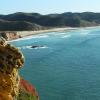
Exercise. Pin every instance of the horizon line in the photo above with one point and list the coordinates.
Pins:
(49, 13)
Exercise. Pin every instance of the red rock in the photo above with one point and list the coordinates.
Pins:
(26, 86)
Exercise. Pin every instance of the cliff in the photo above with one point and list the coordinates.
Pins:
(9, 35)
(11, 86)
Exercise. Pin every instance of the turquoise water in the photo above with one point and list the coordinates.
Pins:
(67, 68)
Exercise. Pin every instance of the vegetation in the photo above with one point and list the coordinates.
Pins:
(34, 21)
(12, 87)
(26, 96)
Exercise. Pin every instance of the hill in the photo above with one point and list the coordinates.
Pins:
(34, 21)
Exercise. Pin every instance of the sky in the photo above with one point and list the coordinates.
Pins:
(48, 6)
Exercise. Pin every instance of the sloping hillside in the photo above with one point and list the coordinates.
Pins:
(34, 21)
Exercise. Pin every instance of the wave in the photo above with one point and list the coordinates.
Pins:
(59, 34)
(44, 47)
(66, 36)
(41, 36)
(30, 37)
(20, 39)
(84, 33)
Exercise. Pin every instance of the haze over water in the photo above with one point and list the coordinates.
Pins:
(67, 67)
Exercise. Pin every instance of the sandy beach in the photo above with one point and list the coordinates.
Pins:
(29, 33)
(23, 34)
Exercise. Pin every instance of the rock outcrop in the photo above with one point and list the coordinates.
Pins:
(9, 35)
(11, 60)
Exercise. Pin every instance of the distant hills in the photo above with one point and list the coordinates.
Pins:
(21, 21)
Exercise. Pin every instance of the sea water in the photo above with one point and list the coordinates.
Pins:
(66, 66)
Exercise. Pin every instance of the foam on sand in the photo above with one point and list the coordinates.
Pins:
(30, 37)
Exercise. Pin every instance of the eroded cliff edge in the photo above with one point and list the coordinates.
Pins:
(9, 35)
(12, 87)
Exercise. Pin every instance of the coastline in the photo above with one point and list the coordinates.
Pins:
(29, 33)
(23, 34)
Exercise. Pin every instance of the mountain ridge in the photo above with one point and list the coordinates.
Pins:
(21, 21)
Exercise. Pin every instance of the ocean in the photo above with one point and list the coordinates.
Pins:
(65, 66)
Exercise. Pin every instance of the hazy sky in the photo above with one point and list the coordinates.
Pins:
(48, 6)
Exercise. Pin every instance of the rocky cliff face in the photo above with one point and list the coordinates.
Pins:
(11, 35)
(11, 87)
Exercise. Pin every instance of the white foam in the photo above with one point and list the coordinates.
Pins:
(62, 33)
(59, 34)
(29, 37)
(44, 47)
(41, 36)
(84, 33)
(66, 36)
(20, 39)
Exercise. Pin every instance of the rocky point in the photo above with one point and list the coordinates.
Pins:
(12, 87)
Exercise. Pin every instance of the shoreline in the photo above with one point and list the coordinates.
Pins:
(23, 34)
(29, 33)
